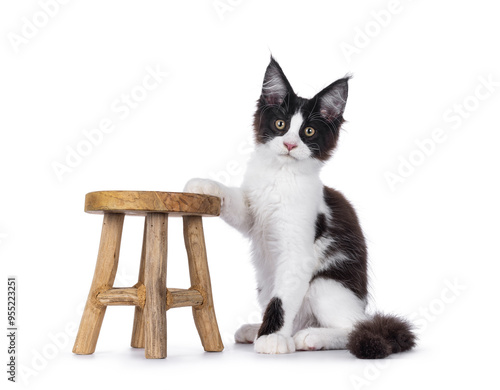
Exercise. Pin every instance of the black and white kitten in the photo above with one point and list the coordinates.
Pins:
(308, 249)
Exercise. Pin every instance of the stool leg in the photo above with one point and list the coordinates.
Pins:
(204, 316)
(138, 329)
(155, 281)
(104, 277)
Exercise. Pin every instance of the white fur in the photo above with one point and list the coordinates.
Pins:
(274, 343)
(333, 305)
(276, 207)
(283, 195)
(313, 339)
(335, 309)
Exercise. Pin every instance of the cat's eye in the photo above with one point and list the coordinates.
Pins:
(280, 124)
(309, 131)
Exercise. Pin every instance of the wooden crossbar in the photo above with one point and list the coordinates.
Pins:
(136, 296)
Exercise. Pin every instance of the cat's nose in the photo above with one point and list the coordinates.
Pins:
(289, 146)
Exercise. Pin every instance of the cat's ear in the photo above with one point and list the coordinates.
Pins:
(333, 98)
(275, 86)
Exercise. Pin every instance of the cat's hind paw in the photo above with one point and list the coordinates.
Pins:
(246, 334)
(307, 340)
(274, 343)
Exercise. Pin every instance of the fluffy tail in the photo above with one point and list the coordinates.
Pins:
(379, 336)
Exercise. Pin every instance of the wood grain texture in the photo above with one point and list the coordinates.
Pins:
(104, 277)
(142, 202)
(138, 340)
(155, 279)
(120, 296)
(204, 315)
(131, 296)
(177, 297)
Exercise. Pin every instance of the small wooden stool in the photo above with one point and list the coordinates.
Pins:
(150, 295)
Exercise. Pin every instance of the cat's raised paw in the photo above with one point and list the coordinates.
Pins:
(307, 340)
(247, 333)
(203, 186)
(274, 343)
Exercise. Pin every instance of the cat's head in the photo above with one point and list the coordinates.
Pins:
(295, 128)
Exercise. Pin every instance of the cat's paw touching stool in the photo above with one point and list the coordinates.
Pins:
(274, 343)
(204, 187)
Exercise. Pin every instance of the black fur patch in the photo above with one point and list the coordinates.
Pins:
(320, 226)
(347, 238)
(273, 318)
(380, 336)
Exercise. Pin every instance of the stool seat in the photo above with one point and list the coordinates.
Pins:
(143, 202)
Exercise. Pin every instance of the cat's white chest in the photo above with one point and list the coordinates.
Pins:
(273, 187)
(282, 201)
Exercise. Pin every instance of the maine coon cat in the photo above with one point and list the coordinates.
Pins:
(308, 248)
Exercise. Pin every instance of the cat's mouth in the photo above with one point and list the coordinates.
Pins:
(287, 156)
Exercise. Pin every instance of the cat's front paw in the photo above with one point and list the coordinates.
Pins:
(204, 186)
(274, 343)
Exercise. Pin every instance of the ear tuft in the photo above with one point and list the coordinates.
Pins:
(332, 99)
(276, 85)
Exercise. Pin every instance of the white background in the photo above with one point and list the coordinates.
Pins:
(436, 228)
